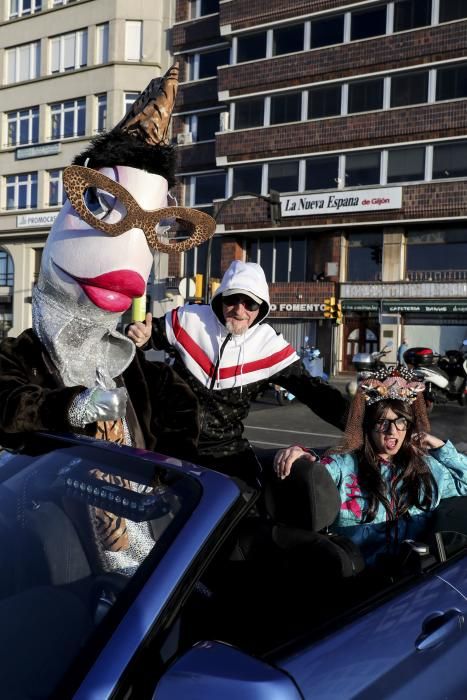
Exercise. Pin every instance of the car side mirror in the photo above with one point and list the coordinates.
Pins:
(213, 670)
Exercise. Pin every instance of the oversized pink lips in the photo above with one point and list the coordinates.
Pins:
(113, 291)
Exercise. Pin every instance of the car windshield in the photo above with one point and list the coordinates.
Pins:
(77, 524)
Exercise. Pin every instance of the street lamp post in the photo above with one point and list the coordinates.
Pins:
(273, 199)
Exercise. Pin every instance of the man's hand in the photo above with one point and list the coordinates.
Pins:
(140, 332)
(284, 459)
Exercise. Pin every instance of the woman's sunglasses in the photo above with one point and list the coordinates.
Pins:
(234, 299)
(382, 426)
(94, 196)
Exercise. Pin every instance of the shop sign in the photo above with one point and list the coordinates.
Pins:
(430, 306)
(297, 308)
(342, 202)
(360, 306)
(44, 149)
(27, 220)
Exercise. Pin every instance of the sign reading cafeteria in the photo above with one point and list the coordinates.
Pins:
(342, 201)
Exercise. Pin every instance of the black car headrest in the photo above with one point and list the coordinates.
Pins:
(308, 498)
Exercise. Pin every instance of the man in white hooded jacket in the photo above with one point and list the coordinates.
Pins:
(227, 354)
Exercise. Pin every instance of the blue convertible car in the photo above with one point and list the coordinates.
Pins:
(216, 609)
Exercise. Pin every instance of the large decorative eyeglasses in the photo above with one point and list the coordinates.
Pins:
(94, 196)
(382, 426)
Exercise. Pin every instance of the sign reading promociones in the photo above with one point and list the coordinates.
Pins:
(26, 220)
(342, 201)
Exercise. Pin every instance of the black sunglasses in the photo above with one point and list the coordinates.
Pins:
(234, 299)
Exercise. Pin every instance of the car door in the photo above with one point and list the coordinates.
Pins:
(413, 645)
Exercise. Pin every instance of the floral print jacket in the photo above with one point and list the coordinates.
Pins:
(449, 469)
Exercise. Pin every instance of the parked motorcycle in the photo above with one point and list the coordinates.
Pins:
(367, 362)
(454, 363)
(436, 380)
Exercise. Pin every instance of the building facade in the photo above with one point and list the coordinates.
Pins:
(356, 113)
(69, 70)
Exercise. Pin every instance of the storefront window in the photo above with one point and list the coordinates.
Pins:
(364, 257)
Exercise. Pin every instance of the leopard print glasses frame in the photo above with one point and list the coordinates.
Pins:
(77, 179)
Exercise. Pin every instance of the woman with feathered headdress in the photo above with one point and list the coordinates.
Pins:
(390, 471)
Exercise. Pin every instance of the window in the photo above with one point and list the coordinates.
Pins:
(23, 62)
(199, 8)
(325, 32)
(322, 173)
(282, 258)
(129, 99)
(366, 95)
(452, 9)
(406, 164)
(286, 108)
(69, 51)
(21, 191)
(23, 126)
(57, 194)
(62, 2)
(362, 169)
(283, 176)
(368, 23)
(364, 256)
(251, 47)
(409, 88)
(424, 252)
(21, 8)
(102, 43)
(7, 273)
(410, 14)
(206, 126)
(249, 113)
(451, 82)
(247, 178)
(208, 187)
(68, 118)
(450, 160)
(324, 102)
(101, 112)
(133, 40)
(288, 39)
(204, 65)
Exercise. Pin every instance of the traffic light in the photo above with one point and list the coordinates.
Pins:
(329, 305)
(275, 211)
(333, 309)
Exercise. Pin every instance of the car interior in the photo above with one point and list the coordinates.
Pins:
(276, 577)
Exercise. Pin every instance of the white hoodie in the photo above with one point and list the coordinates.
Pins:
(198, 333)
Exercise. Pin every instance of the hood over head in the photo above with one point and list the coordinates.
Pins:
(247, 278)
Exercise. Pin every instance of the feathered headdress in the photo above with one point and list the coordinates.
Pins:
(391, 383)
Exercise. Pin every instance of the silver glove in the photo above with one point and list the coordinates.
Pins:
(97, 404)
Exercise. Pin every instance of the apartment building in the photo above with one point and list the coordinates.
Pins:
(69, 70)
(356, 112)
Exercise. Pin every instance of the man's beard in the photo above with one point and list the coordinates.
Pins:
(231, 325)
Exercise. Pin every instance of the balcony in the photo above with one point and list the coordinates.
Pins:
(419, 284)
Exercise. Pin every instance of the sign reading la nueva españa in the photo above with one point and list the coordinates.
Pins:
(341, 201)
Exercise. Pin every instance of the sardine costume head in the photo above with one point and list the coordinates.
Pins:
(99, 253)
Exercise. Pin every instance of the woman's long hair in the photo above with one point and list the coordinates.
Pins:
(413, 483)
